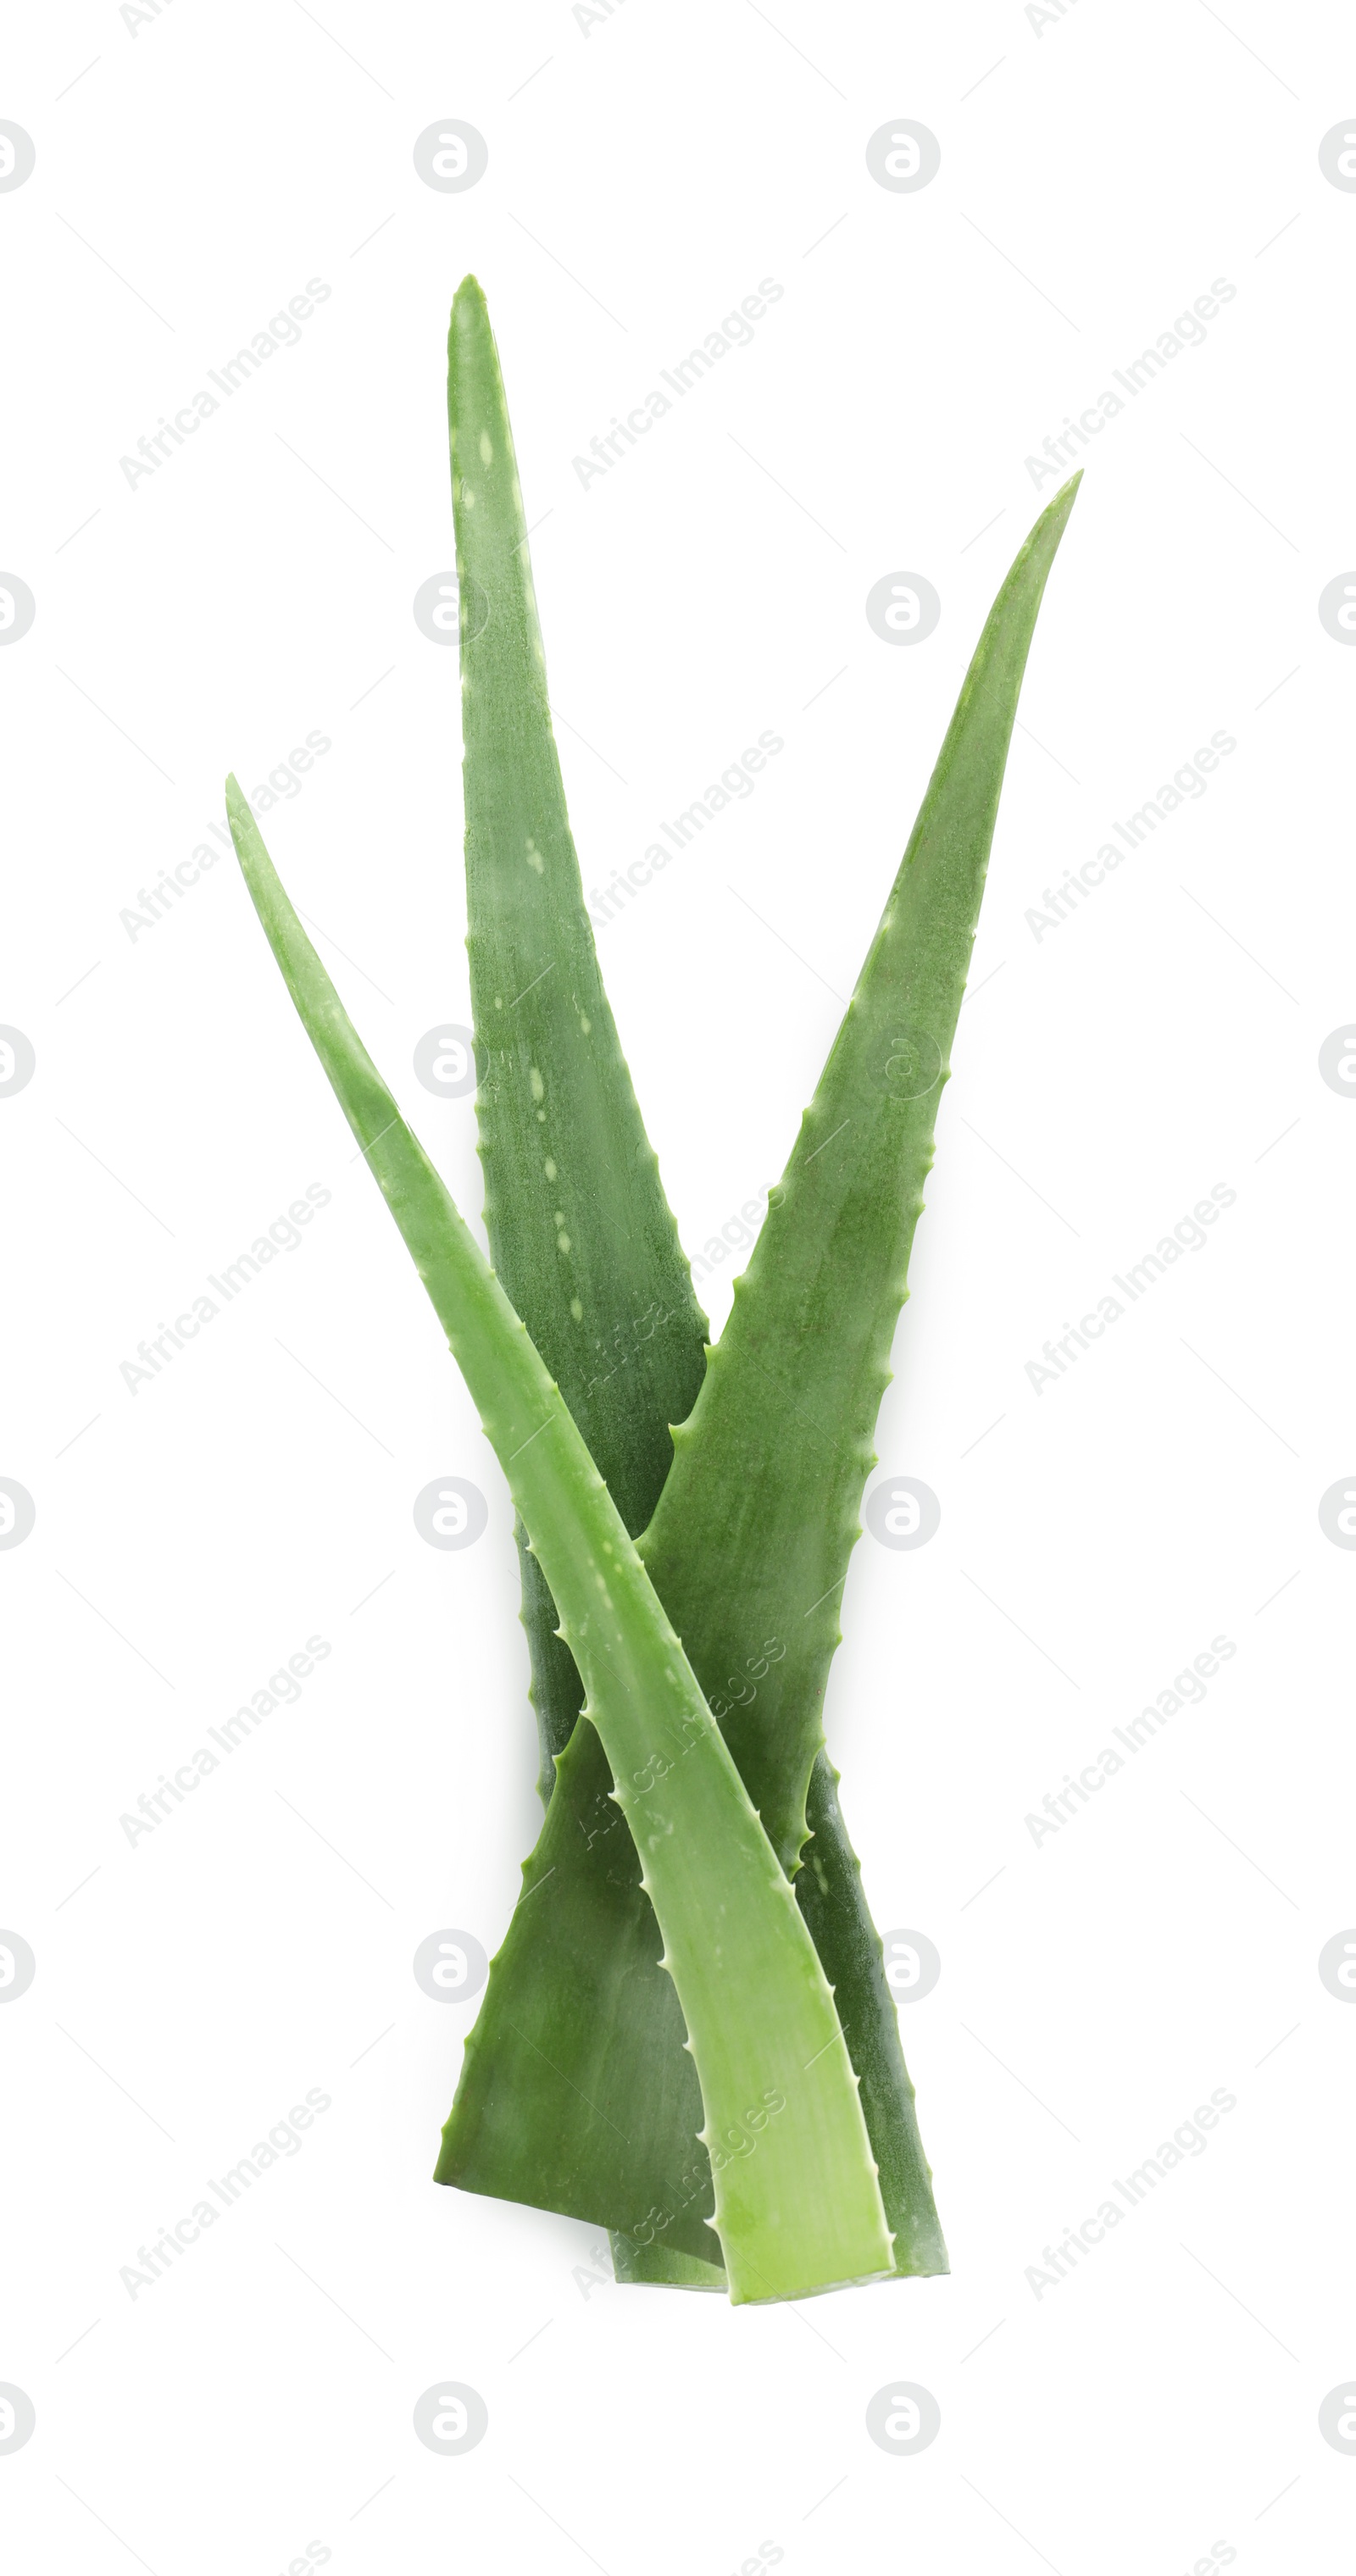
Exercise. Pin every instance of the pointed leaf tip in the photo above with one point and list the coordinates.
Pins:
(469, 321)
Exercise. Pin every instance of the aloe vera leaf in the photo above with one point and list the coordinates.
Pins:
(781, 1505)
(580, 1230)
(768, 1474)
(659, 2267)
(785, 1484)
(575, 2091)
(830, 1895)
(797, 2205)
(582, 1236)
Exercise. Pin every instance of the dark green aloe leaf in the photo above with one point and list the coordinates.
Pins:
(753, 1530)
(565, 1154)
(758, 1517)
(580, 1230)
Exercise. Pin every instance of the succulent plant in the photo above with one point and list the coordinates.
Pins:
(687, 2033)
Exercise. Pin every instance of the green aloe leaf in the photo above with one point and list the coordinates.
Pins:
(797, 2203)
(759, 1513)
(580, 1230)
(574, 1983)
(582, 1236)
(807, 1345)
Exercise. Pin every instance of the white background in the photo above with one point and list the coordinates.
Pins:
(644, 175)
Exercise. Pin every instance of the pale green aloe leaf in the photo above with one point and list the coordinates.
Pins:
(797, 2202)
